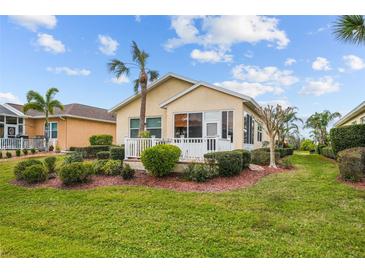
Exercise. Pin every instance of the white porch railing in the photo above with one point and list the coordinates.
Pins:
(191, 148)
(21, 143)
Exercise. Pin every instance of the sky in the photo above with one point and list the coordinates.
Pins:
(291, 60)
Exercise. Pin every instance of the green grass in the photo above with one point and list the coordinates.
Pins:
(302, 213)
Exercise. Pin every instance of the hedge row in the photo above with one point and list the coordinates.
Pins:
(102, 139)
(351, 163)
(347, 137)
(327, 152)
(261, 156)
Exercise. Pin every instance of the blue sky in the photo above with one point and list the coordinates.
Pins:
(287, 59)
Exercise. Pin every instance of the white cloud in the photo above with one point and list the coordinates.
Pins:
(50, 44)
(321, 86)
(266, 74)
(284, 102)
(354, 62)
(108, 45)
(123, 79)
(69, 71)
(321, 63)
(8, 97)
(210, 56)
(33, 22)
(289, 62)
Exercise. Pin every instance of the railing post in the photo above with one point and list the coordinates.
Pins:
(21, 143)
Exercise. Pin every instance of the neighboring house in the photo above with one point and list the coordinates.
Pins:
(354, 117)
(178, 107)
(68, 128)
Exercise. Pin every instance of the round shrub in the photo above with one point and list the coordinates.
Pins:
(35, 174)
(50, 164)
(51, 148)
(1, 154)
(103, 155)
(127, 172)
(25, 152)
(33, 151)
(112, 167)
(229, 162)
(246, 157)
(17, 152)
(198, 172)
(117, 153)
(351, 163)
(89, 166)
(161, 159)
(8, 154)
(21, 166)
(307, 145)
(98, 166)
(328, 152)
(74, 173)
(74, 157)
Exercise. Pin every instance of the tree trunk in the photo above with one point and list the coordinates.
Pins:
(272, 152)
(46, 133)
(142, 116)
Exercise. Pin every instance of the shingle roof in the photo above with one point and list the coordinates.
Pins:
(78, 110)
(5, 111)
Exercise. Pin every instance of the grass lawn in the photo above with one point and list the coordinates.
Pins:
(302, 213)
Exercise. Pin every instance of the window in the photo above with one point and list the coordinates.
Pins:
(153, 125)
(20, 129)
(248, 129)
(20, 121)
(259, 132)
(189, 125)
(1, 119)
(52, 130)
(353, 123)
(227, 125)
(11, 120)
(362, 120)
(1, 130)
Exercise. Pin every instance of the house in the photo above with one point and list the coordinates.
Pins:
(191, 114)
(354, 117)
(71, 127)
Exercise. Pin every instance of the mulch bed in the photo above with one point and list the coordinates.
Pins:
(174, 182)
(357, 185)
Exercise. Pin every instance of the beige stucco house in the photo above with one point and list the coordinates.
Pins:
(354, 117)
(179, 107)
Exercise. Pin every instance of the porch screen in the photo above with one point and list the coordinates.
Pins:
(189, 125)
(227, 124)
(248, 129)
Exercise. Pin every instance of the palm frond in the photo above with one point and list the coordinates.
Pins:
(350, 28)
(139, 56)
(52, 105)
(50, 94)
(34, 106)
(33, 96)
(136, 86)
(118, 67)
(152, 75)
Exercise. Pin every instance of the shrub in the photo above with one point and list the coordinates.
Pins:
(21, 166)
(161, 159)
(127, 172)
(51, 148)
(58, 150)
(90, 151)
(112, 167)
(286, 162)
(198, 172)
(351, 163)
(73, 157)
(98, 166)
(103, 139)
(319, 148)
(50, 164)
(74, 173)
(307, 145)
(25, 152)
(89, 167)
(8, 154)
(17, 152)
(347, 137)
(261, 156)
(246, 157)
(103, 155)
(229, 162)
(328, 152)
(117, 153)
(1, 154)
(283, 152)
(35, 174)
(33, 151)
(144, 134)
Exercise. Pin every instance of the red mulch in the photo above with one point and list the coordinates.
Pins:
(173, 182)
(357, 185)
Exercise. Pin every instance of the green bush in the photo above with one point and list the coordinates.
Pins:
(74, 157)
(127, 172)
(328, 152)
(112, 167)
(35, 174)
(229, 162)
(161, 159)
(50, 164)
(90, 151)
(198, 172)
(117, 153)
(98, 166)
(8, 154)
(286, 162)
(51, 148)
(25, 152)
(351, 163)
(74, 173)
(103, 139)
(246, 157)
(103, 155)
(261, 156)
(21, 166)
(347, 137)
(33, 151)
(319, 148)
(17, 152)
(89, 167)
(307, 145)
(1, 154)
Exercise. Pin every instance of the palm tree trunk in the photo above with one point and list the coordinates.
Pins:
(46, 132)
(272, 152)
(142, 116)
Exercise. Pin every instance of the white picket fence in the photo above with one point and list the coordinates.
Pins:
(192, 149)
(22, 143)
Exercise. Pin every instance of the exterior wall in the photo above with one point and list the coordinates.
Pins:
(356, 119)
(154, 97)
(205, 99)
(265, 137)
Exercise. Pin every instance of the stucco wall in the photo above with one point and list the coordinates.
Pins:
(355, 119)
(154, 98)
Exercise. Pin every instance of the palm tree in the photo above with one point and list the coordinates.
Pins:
(350, 28)
(289, 125)
(319, 122)
(146, 75)
(46, 105)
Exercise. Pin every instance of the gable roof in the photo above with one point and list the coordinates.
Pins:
(151, 86)
(357, 110)
(72, 110)
(6, 111)
(245, 98)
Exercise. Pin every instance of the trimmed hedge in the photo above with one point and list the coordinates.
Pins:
(351, 163)
(90, 151)
(127, 172)
(75, 173)
(112, 168)
(35, 174)
(50, 164)
(74, 157)
(261, 156)
(102, 139)
(98, 166)
(199, 172)
(17, 152)
(246, 157)
(229, 163)
(117, 153)
(21, 166)
(327, 152)
(161, 159)
(347, 137)
(103, 155)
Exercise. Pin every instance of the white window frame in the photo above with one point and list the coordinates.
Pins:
(259, 132)
(136, 117)
(50, 129)
(362, 120)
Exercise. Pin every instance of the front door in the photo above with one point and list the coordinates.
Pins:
(10, 131)
(211, 130)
